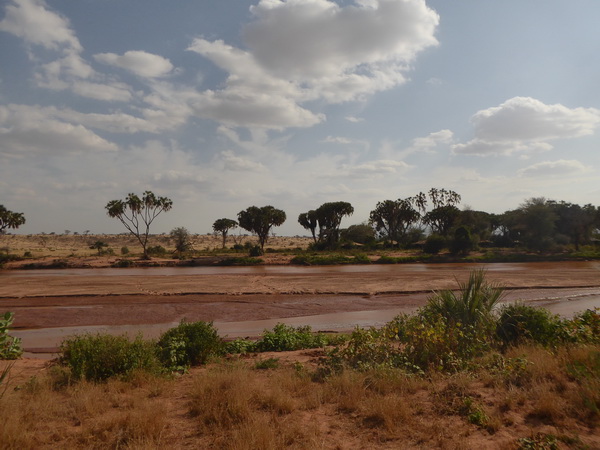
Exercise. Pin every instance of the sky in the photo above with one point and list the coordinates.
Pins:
(221, 105)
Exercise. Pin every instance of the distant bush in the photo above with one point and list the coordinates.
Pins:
(157, 250)
(123, 263)
(241, 261)
(326, 260)
(255, 251)
(434, 244)
(102, 356)
(189, 344)
(124, 250)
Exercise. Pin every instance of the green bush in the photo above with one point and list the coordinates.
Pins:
(189, 344)
(10, 347)
(157, 250)
(255, 251)
(434, 244)
(286, 338)
(102, 356)
(462, 242)
(518, 323)
(240, 261)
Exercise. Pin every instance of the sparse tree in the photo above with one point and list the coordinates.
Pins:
(444, 214)
(223, 226)
(329, 217)
(9, 219)
(309, 221)
(393, 218)
(182, 239)
(99, 245)
(260, 221)
(137, 214)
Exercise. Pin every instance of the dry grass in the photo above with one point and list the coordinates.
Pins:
(233, 406)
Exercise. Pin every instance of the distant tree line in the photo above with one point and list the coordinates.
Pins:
(432, 220)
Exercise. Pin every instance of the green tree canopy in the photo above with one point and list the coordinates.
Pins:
(444, 214)
(309, 221)
(329, 217)
(9, 219)
(393, 218)
(223, 226)
(260, 220)
(137, 214)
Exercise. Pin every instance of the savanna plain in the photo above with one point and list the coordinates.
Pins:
(465, 367)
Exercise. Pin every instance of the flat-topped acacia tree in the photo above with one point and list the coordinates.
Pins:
(223, 226)
(9, 219)
(260, 221)
(137, 214)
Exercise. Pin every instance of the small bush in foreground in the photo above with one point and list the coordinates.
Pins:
(10, 347)
(286, 338)
(518, 322)
(189, 344)
(102, 356)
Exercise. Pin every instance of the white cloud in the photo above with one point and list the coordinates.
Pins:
(432, 140)
(372, 169)
(354, 119)
(300, 51)
(553, 168)
(138, 62)
(26, 130)
(239, 164)
(32, 21)
(524, 124)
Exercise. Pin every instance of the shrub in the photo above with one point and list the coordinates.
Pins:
(472, 305)
(434, 244)
(462, 243)
(102, 356)
(124, 250)
(255, 251)
(189, 344)
(518, 322)
(157, 250)
(10, 347)
(240, 261)
(286, 338)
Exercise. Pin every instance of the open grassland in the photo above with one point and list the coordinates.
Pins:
(550, 401)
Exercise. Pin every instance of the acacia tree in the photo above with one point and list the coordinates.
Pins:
(260, 221)
(137, 214)
(329, 217)
(223, 226)
(9, 219)
(393, 218)
(309, 221)
(444, 213)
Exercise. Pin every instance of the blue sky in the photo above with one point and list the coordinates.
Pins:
(223, 105)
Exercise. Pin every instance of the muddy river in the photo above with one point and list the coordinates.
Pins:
(50, 305)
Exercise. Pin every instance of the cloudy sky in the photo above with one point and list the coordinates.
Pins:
(221, 105)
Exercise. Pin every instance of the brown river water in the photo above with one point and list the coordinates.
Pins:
(42, 342)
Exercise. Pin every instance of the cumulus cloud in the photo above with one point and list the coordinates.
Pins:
(32, 21)
(28, 130)
(553, 168)
(298, 51)
(524, 124)
(140, 63)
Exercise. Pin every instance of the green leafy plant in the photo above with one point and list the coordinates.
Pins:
(102, 356)
(286, 338)
(265, 364)
(518, 322)
(10, 347)
(189, 344)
